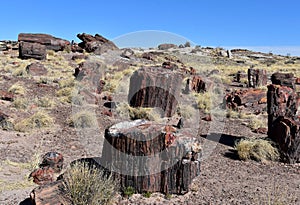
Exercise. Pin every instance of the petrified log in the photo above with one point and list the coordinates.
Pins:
(51, 43)
(32, 50)
(166, 46)
(257, 77)
(96, 44)
(54, 160)
(283, 121)
(155, 87)
(51, 193)
(245, 97)
(151, 157)
(284, 79)
(36, 69)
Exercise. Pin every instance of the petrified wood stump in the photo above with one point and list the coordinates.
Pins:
(283, 121)
(284, 79)
(151, 157)
(32, 50)
(155, 87)
(257, 77)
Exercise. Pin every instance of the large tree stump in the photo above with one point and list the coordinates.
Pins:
(51, 43)
(257, 77)
(283, 79)
(155, 87)
(283, 121)
(151, 157)
(32, 50)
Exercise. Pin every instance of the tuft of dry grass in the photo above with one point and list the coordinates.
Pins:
(186, 111)
(20, 103)
(83, 119)
(257, 123)
(87, 184)
(257, 149)
(17, 88)
(124, 110)
(38, 120)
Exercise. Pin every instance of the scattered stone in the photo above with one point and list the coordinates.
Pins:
(36, 69)
(170, 66)
(96, 44)
(172, 158)
(54, 160)
(32, 50)
(166, 46)
(79, 57)
(4, 95)
(4, 122)
(207, 118)
(50, 42)
(127, 53)
(155, 87)
(284, 79)
(261, 130)
(257, 77)
(43, 175)
(248, 98)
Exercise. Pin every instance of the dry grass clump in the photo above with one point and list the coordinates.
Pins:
(38, 120)
(124, 110)
(17, 88)
(83, 119)
(86, 184)
(204, 101)
(20, 103)
(65, 94)
(45, 102)
(257, 149)
(69, 82)
(257, 123)
(186, 111)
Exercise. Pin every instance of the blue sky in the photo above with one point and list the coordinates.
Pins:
(229, 23)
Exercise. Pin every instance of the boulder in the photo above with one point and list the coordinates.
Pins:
(166, 46)
(36, 69)
(284, 79)
(51, 43)
(96, 44)
(32, 50)
(151, 157)
(155, 87)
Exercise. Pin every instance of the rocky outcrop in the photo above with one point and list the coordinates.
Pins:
(155, 87)
(283, 121)
(151, 157)
(32, 50)
(257, 77)
(51, 43)
(250, 97)
(36, 69)
(284, 79)
(95, 44)
(166, 46)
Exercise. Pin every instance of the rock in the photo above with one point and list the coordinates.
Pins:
(240, 75)
(79, 57)
(36, 69)
(51, 43)
(197, 84)
(127, 53)
(171, 158)
(155, 87)
(8, 45)
(245, 98)
(43, 175)
(51, 193)
(261, 130)
(96, 44)
(257, 77)
(283, 121)
(54, 160)
(297, 81)
(4, 122)
(166, 46)
(32, 50)
(169, 65)
(207, 118)
(76, 48)
(6, 95)
(284, 79)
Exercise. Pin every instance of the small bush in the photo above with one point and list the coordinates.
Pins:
(257, 149)
(38, 120)
(86, 184)
(128, 191)
(186, 111)
(204, 101)
(17, 89)
(147, 194)
(83, 119)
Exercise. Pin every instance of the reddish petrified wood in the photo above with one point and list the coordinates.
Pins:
(283, 121)
(257, 77)
(51, 43)
(36, 69)
(245, 97)
(151, 157)
(284, 79)
(32, 50)
(155, 87)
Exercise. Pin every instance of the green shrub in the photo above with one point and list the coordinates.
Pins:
(257, 149)
(128, 191)
(86, 184)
